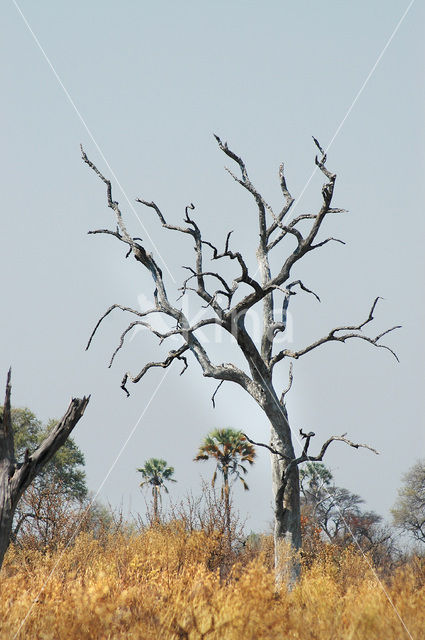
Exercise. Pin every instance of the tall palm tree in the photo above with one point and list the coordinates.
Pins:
(155, 474)
(230, 449)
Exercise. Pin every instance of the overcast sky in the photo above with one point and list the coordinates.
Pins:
(143, 86)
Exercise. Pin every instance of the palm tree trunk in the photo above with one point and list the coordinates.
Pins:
(227, 506)
(155, 505)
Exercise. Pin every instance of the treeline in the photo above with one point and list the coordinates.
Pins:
(57, 504)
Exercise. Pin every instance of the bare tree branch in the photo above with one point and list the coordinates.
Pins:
(266, 446)
(303, 287)
(164, 223)
(304, 457)
(320, 244)
(325, 446)
(302, 248)
(228, 293)
(289, 200)
(280, 326)
(331, 337)
(307, 437)
(290, 381)
(111, 203)
(247, 184)
(195, 232)
(173, 355)
(321, 163)
(162, 336)
(162, 303)
(123, 308)
(116, 234)
(215, 392)
(244, 277)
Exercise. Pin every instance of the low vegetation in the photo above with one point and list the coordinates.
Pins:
(173, 581)
(76, 570)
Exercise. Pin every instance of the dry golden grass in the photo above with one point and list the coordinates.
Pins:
(165, 584)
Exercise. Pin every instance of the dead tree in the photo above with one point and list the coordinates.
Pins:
(15, 476)
(229, 302)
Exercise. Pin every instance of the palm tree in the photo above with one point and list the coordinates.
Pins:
(230, 449)
(156, 473)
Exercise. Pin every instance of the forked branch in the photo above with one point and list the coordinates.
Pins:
(304, 457)
(173, 355)
(350, 331)
(247, 184)
(235, 255)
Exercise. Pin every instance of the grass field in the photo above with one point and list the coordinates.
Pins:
(167, 583)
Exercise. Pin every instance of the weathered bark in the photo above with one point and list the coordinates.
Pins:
(16, 477)
(285, 487)
(286, 495)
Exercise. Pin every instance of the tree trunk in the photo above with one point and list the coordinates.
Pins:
(7, 508)
(286, 496)
(16, 477)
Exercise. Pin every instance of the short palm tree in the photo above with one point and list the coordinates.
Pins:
(155, 474)
(230, 449)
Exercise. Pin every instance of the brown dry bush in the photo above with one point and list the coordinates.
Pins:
(159, 584)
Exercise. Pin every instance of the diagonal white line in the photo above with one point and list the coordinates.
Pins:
(83, 122)
(354, 101)
(111, 468)
(371, 72)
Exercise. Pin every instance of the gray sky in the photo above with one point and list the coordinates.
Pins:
(153, 82)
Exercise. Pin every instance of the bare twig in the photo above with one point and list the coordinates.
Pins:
(320, 244)
(215, 392)
(123, 308)
(164, 223)
(290, 381)
(321, 163)
(303, 287)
